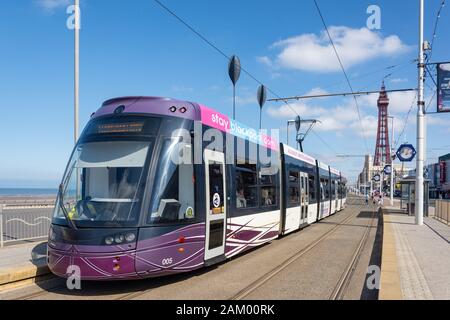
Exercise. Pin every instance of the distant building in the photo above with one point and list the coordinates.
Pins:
(444, 176)
(369, 171)
(439, 176)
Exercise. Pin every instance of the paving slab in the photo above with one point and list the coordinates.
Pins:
(423, 255)
(22, 262)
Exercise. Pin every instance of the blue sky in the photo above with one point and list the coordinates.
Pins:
(135, 48)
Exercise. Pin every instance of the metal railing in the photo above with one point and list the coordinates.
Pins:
(24, 222)
(442, 212)
(27, 202)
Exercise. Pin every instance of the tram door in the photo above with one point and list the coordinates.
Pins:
(304, 197)
(216, 204)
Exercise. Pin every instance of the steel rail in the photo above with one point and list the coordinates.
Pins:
(269, 275)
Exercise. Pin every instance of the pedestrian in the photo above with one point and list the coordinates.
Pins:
(367, 199)
(380, 200)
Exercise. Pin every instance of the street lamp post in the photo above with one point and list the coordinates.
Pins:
(77, 69)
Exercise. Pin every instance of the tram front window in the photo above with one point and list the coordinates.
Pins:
(173, 189)
(101, 186)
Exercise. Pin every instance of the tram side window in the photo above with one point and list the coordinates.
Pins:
(312, 189)
(246, 186)
(173, 191)
(338, 186)
(294, 191)
(322, 189)
(327, 189)
(268, 176)
(333, 189)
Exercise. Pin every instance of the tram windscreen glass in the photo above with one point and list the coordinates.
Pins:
(101, 186)
(174, 183)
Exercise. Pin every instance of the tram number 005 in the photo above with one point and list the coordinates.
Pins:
(167, 261)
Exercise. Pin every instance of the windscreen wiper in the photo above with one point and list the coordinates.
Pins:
(63, 208)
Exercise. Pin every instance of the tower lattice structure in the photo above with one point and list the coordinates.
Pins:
(383, 148)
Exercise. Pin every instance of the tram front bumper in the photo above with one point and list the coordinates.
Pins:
(82, 255)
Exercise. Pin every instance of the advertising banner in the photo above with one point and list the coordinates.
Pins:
(443, 87)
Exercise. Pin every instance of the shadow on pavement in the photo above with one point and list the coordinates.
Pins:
(106, 289)
(375, 260)
(39, 254)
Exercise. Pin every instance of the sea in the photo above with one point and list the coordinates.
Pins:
(28, 192)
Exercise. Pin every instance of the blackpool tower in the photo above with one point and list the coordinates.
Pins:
(383, 148)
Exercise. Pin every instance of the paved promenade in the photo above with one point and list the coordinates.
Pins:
(422, 257)
(22, 262)
(328, 260)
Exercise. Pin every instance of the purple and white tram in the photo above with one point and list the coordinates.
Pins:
(128, 208)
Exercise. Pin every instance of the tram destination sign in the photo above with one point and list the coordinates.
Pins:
(443, 76)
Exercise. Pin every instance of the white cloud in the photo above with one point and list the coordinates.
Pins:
(399, 102)
(398, 80)
(316, 91)
(434, 120)
(290, 112)
(311, 52)
(332, 119)
(342, 119)
(51, 5)
(265, 60)
(367, 127)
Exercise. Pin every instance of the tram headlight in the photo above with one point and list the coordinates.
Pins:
(130, 237)
(109, 240)
(119, 238)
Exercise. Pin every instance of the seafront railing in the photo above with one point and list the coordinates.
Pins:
(24, 221)
(443, 211)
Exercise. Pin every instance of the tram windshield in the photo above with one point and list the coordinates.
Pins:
(101, 185)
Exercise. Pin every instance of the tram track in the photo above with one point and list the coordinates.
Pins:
(338, 292)
(344, 281)
(295, 257)
(39, 293)
(287, 262)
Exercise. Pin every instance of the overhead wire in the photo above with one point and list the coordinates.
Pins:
(222, 53)
(345, 74)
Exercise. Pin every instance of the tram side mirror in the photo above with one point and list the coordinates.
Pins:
(169, 209)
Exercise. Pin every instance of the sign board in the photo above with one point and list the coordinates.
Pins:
(387, 170)
(376, 178)
(406, 153)
(443, 87)
(426, 173)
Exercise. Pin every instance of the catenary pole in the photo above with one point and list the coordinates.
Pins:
(420, 123)
(392, 164)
